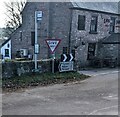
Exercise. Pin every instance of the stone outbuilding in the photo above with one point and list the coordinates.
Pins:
(82, 27)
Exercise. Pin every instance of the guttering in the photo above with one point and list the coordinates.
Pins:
(97, 11)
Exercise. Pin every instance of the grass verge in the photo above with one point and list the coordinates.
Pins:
(43, 79)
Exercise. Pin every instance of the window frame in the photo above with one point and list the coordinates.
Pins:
(91, 51)
(81, 18)
(94, 22)
(21, 33)
(7, 54)
(112, 25)
(32, 38)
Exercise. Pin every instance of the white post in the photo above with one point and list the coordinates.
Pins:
(38, 17)
(35, 54)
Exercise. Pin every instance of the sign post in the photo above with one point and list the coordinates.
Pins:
(53, 62)
(53, 44)
(38, 17)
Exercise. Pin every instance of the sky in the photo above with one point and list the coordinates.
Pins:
(2, 13)
(3, 9)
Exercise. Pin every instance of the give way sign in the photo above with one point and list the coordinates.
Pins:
(53, 44)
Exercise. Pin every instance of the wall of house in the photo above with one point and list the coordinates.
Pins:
(24, 41)
(60, 22)
(55, 24)
(6, 46)
(78, 37)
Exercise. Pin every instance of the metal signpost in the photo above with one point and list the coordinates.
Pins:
(38, 17)
(53, 63)
(53, 44)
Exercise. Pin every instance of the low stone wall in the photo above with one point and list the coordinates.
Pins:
(12, 69)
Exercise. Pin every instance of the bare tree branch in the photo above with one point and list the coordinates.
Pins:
(14, 16)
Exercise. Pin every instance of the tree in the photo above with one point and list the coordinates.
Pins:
(14, 16)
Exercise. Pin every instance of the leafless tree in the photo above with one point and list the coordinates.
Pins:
(14, 16)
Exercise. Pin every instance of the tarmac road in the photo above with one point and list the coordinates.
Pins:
(97, 95)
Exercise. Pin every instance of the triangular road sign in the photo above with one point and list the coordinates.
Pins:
(52, 44)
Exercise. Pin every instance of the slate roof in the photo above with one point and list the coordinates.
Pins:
(111, 7)
(2, 43)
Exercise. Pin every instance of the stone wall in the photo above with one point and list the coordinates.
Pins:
(12, 69)
(109, 51)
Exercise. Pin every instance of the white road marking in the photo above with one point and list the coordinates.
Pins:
(111, 97)
(94, 112)
(106, 73)
(92, 73)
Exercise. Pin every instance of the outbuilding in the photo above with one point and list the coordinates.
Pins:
(5, 50)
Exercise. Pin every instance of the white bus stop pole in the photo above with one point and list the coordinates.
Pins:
(35, 54)
(38, 17)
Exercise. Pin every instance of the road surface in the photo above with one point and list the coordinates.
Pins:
(97, 95)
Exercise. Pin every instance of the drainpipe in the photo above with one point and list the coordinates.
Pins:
(69, 42)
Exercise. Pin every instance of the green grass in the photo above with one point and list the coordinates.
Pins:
(43, 79)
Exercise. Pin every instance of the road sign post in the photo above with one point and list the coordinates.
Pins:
(38, 17)
(53, 44)
(53, 62)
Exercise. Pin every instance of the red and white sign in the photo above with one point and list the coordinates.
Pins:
(52, 44)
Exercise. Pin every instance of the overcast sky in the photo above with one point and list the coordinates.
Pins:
(2, 13)
(3, 10)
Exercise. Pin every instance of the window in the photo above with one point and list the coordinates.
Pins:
(93, 25)
(8, 45)
(112, 24)
(20, 35)
(6, 52)
(81, 22)
(32, 38)
(65, 50)
(91, 51)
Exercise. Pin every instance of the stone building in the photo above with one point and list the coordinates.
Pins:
(80, 26)
(89, 28)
